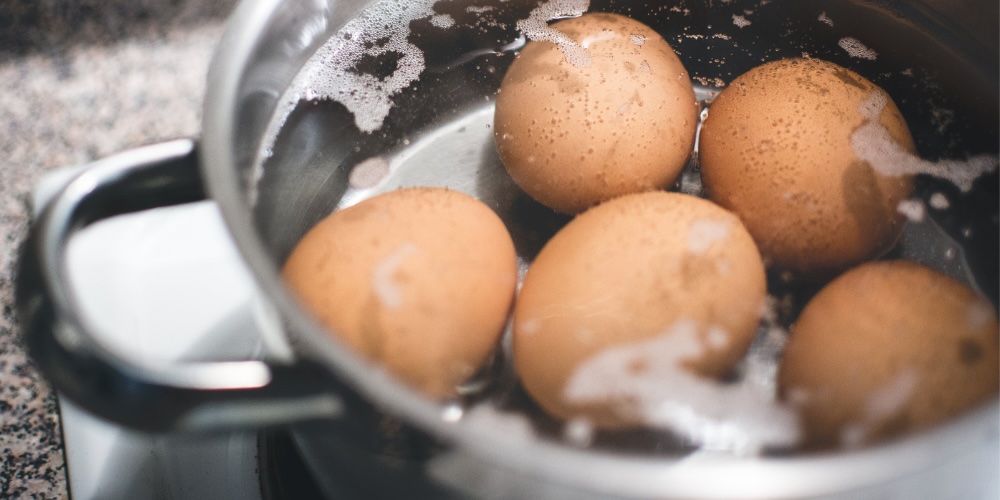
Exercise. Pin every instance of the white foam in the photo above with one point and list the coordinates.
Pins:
(873, 105)
(942, 118)
(328, 74)
(638, 40)
(384, 280)
(761, 365)
(912, 209)
(873, 143)
(825, 19)
(740, 21)
(514, 427)
(892, 397)
(736, 417)
(382, 29)
(856, 49)
(939, 201)
(536, 28)
(883, 403)
(601, 36)
(704, 233)
(368, 173)
(442, 21)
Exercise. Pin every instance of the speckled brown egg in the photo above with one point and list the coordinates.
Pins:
(419, 280)
(776, 149)
(630, 270)
(889, 348)
(603, 109)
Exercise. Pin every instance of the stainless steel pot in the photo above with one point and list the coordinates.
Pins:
(270, 194)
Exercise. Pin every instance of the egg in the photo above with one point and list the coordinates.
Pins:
(888, 348)
(417, 280)
(604, 109)
(666, 268)
(778, 149)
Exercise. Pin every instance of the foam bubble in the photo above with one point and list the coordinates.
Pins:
(881, 404)
(514, 427)
(442, 21)
(939, 201)
(871, 108)
(856, 49)
(383, 276)
(368, 173)
(536, 28)
(638, 40)
(823, 18)
(761, 366)
(912, 209)
(891, 397)
(602, 36)
(738, 417)
(740, 21)
(704, 233)
(873, 143)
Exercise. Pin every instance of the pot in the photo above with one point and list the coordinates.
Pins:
(276, 162)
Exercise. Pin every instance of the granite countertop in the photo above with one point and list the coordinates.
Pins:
(80, 80)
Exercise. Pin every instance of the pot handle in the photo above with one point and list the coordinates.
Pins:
(191, 397)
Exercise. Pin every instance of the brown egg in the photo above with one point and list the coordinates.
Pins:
(607, 111)
(419, 280)
(776, 149)
(889, 348)
(634, 269)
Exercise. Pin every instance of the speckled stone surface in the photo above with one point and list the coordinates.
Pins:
(80, 79)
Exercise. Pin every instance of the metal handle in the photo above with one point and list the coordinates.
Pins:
(176, 397)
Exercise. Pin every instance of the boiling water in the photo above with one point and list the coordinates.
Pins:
(403, 96)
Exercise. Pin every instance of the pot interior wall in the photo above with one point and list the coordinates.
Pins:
(437, 133)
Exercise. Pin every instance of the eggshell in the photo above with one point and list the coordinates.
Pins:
(419, 280)
(776, 149)
(575, 128)
(888, 348)
(629, 270)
